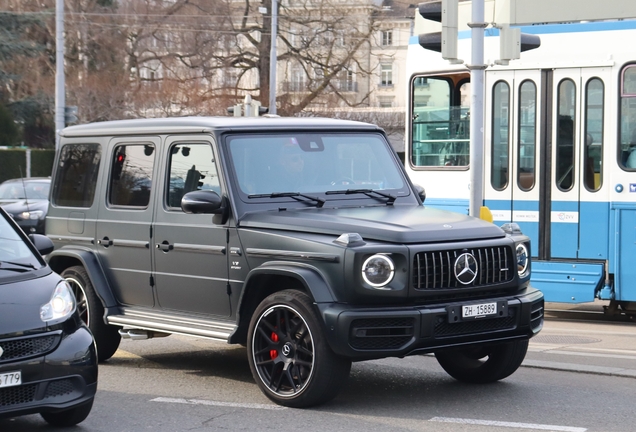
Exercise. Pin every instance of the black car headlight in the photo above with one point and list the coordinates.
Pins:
(34, 214)
(378, 270)
(61, 305)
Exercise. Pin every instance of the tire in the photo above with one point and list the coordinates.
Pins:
(483, 365)
(68, 417)
(288, 353)
(91, 310)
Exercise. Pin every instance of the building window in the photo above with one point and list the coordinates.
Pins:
(386, 75)
(387, 38)
(385, 102)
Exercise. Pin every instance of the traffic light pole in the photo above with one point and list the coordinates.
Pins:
(60, 96)
(477, 90)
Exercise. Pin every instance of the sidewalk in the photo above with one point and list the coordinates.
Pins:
(589, 345)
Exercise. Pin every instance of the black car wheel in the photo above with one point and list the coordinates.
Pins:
(483, 365)
(288, 354)
(68, 417)
(91, 311)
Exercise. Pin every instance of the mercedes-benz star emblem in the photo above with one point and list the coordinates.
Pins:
(466, 268)
(286, 350)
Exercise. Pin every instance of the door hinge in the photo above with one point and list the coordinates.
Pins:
(229, 289)
(152, 281)
(150, 231)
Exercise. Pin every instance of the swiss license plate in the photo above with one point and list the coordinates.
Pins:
(10, 379)
(478, 310)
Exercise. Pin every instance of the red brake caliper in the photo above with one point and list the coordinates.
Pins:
(273, 353)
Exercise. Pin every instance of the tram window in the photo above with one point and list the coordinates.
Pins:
(565, 135)
(441, 122)
(627, 147)
(527, 135)
(593, 145)
(500, 135)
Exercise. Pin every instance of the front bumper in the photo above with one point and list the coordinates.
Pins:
(66, 376)
(363, 333)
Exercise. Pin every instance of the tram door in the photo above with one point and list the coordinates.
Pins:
(512, 152)
(576, 202)
(544, 158)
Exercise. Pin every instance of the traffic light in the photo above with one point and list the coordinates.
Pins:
(512, 43)
(70, 115)
(445, 12)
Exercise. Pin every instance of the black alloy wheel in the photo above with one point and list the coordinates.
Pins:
(288, 354)
(483, 364)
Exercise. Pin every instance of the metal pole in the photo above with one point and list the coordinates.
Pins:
(477, 73)
(272, 59)
(60, 101)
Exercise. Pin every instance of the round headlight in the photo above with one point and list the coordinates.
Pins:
(522, 259)
(378, 270)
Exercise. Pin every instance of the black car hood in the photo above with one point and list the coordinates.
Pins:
(20, 303)
(21, 205)
(400, 224)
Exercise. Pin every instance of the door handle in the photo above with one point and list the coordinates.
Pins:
(105, 242)
(164, 246)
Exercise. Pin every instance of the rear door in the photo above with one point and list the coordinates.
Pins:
(124, 219)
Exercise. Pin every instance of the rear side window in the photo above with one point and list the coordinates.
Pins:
(131, 175)
(76, 175)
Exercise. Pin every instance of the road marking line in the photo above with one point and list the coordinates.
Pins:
(215, 403)
(508, 424)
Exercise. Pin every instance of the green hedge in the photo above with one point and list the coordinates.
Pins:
(13, 163)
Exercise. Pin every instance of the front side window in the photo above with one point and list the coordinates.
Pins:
(131, 175)
(527, 135)
(191, 168)
(76, 175)
(500, 135)
(441, 123)
(14, 253)
(313, 163)
(627, 148)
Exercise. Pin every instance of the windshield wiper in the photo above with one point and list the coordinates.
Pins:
(368, 192)
(16, 266)
(295, 195)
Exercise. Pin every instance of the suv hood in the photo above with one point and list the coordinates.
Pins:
(401, 224)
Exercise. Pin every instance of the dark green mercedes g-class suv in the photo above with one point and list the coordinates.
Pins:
(302, 239)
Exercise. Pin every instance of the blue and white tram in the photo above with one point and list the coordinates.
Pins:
(560, 126)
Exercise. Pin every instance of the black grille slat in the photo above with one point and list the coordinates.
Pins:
(23, 348)
(17, 395)
(434, 270)
(446, 329)
(381, 333)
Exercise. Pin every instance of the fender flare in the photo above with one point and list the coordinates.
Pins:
(312, 279)
(63, 258)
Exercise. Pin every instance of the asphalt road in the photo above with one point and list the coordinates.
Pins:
(579, 375)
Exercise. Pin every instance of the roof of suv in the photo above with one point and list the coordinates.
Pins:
(208, 124)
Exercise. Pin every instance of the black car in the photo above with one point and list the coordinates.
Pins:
(48, 360)
(27, 200)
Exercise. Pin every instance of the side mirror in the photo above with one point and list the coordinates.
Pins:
(202, 201)
(420, 192)
(42, 243)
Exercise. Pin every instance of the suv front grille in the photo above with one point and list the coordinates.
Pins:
(23, 348)
(435, 270)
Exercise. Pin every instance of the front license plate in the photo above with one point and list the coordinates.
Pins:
(479, 310)
(10, 379)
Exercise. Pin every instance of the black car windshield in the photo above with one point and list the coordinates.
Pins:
(314, 163)
(28, 189)
(14, 253)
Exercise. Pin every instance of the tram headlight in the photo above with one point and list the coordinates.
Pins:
(378, 270)
(523, 259)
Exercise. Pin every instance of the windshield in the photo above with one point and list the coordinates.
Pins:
(314, 163)
(17, 190)
(13, 249)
